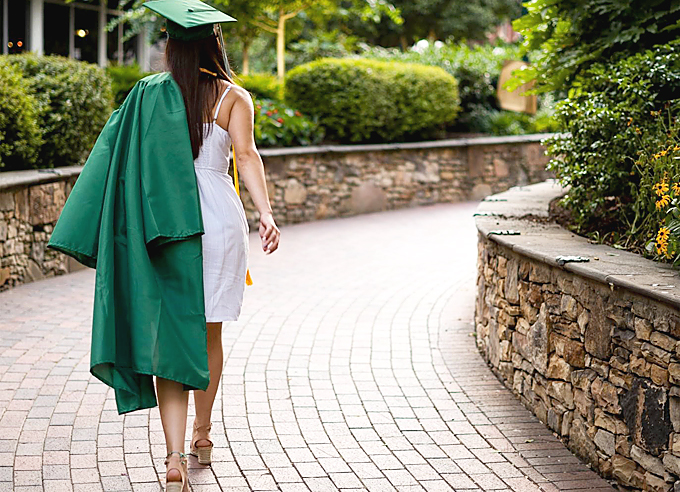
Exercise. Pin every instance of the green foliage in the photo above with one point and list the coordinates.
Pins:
(567, 36)
(439, 19)
(19, 133)
(360, 100)
(123, 79)
(74, 101)
(476, 68)
(609, 119)
(321, 44)
(261, 85)
(499, 122)
(277, 125)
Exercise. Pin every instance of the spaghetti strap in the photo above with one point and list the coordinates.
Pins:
(219, 104)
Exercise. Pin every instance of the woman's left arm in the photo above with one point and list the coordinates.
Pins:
(250, 166)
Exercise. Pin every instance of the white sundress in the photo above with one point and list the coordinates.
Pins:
(225, 242)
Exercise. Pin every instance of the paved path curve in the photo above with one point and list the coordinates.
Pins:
(352, 368)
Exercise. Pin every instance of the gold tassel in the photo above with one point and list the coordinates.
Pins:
(201, 69)
(249, 281)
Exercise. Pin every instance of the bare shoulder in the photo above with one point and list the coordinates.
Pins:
(237, 102)
(242, 95)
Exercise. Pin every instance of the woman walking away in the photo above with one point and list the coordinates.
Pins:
(155, 212)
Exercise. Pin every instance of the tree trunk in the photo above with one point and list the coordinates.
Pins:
(402, 41)
(281, 46)
(245, 70)
(432, 36)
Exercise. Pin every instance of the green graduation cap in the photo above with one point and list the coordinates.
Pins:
(188, 20)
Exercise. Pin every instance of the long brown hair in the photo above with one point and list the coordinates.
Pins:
(199, 89)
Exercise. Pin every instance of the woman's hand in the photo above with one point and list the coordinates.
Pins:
(269, 233)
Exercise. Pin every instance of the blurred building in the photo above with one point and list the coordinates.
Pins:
(74, 29)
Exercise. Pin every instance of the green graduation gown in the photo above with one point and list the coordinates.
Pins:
(134, 215)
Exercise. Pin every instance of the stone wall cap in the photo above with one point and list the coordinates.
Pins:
(15, 179)
(433, 144)
(523, 209)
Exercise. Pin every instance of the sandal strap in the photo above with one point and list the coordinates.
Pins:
(182, 456)
(207, 427)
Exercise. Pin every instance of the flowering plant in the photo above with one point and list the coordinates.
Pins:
(659, 169)
(278, 125)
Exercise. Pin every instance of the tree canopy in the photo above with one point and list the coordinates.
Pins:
(567, 36)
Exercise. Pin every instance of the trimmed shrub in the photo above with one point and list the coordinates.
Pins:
(277, 125)
(476, 68)
(359, 100)
(74, 102)
(123, 79)
(261, 85)
(19, 132)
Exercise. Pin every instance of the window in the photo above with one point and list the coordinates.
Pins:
(112, 50)
(86, 32)
(17, 26)
(56, 29)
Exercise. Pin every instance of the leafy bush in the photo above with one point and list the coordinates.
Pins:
(19, 133)
(277, 125)
(261, 85)
(500, 122)
(74, 101)
(321, 43)
(123, 79)
(566, 36)
(609, 117)
(476, 68)
(359, 100)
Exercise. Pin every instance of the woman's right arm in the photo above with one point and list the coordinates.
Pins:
(250, 166)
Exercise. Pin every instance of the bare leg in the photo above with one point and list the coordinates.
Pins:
(204, 399)
(173, 404)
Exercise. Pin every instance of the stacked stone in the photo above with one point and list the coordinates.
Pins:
(599, 365)
(321, 185)
(27, 216)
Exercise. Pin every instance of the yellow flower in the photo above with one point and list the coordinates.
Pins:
(676, 148)
(676, 188)
(663, 202)
(660, 188)
(663, 234)
(630, 121)
(638, 131)
(661, 248)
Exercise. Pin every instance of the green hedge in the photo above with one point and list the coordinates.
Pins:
(261, 85)
(74, 101)
(476, 68)
(360, 100)
(123, 79)
(20, 137)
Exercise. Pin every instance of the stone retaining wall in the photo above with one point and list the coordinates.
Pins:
(30, 203)
(304, 184)
(336, 181)
(593, 349)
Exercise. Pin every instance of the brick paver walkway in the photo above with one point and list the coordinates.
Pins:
(351, 368)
